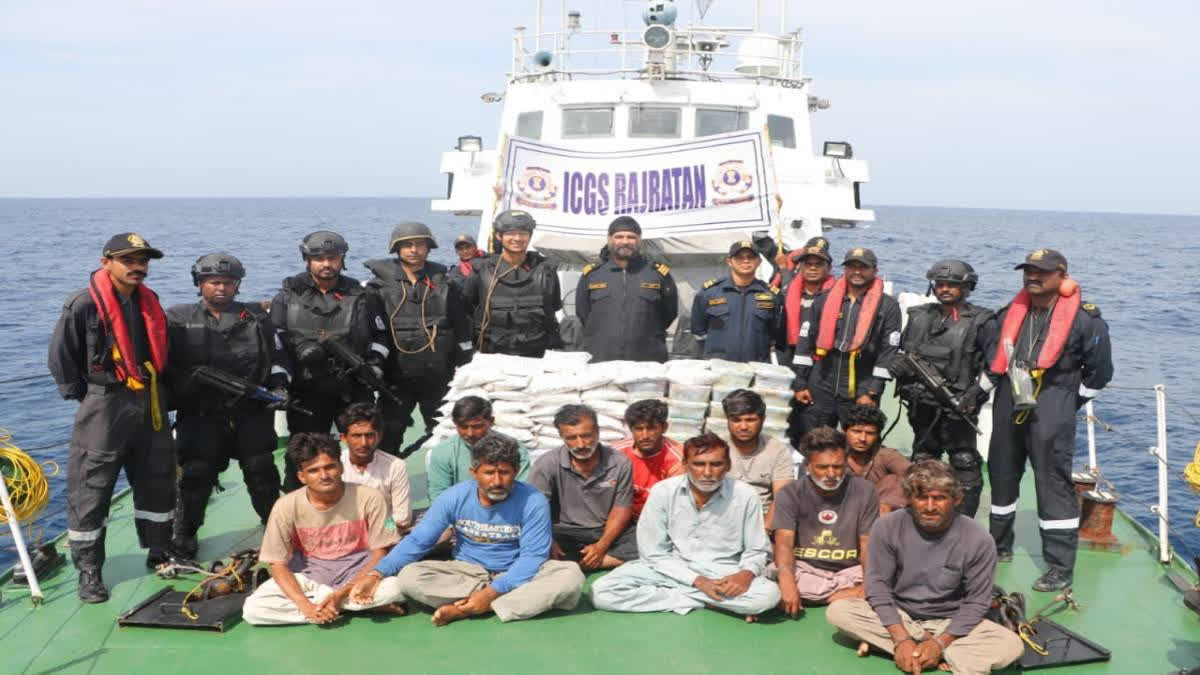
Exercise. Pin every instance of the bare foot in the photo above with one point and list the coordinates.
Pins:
(863, 649)
(944, 666)
(447, 614)
(394, 609)
(751, 618)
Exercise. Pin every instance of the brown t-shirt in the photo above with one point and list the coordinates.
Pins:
(770, 462)
(329, 546)
(885, 470)
(827, 527)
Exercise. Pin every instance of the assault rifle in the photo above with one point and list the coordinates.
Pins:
(358, 367)
(240, 387)
(935, 384)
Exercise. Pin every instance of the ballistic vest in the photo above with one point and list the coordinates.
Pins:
(948, 346)
(243, 349)
(516, 311)
(417, 314)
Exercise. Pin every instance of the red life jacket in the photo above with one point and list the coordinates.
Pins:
(793, 305)
(105, 296)
(1061, 319)
(832, 310)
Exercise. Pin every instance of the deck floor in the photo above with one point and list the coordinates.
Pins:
(1129, 607)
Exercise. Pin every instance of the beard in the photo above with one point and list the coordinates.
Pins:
(583, 454)
(705, 486)
(827, 484)
(497, 494)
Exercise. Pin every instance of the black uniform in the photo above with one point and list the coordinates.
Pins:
(302, 316)
(513, 309)
(113, 431)
(625, 312)
(1047, 435)
(956, 345)
(796, 419)
(429, 333)
(738, 323)
(210, 427)
(829, 379)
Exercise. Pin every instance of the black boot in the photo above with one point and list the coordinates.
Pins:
(156, 557)
(1054, 579)
(184, 547)
(91, 587)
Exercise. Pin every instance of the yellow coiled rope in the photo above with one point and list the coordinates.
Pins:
(1191, 473)
(26, 479)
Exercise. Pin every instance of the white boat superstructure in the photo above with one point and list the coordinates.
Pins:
(626, 89)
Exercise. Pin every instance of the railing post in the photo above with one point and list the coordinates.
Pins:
(1164, 544)
(35, 590)
(1090, 410)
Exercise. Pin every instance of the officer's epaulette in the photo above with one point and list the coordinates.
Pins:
(662, 268)
(587, 269)
(711, 282)
(1091, 309)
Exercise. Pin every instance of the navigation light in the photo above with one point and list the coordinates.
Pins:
(470, 144)
(838, 150)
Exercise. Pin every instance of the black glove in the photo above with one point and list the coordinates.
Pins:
(900, 369)
(282, 394)
(971, 399)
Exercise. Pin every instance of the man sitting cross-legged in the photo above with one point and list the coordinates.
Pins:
(501, 549)
(319, 540)
(701, 541)
(821, 526)
(929, 584)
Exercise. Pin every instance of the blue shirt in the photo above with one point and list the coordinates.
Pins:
(738, 323)
(511, 537)
(683, 542)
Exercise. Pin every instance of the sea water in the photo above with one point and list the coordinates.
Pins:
(1140, 270)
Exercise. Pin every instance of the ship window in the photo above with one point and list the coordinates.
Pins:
(529, 124)
(587, 122)
(711, 121)
(782, 130)
(656, 122)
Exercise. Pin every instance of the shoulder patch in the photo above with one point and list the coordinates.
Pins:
(662, 269)
(587, 269)
(1090, 309)
(711, 282)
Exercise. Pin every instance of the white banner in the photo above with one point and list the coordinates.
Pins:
(698, 186)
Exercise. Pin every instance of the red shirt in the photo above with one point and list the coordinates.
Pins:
(649, 470)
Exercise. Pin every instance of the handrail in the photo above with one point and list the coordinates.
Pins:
(1164, 544)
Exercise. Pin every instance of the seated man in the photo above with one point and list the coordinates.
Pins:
(450, 460)
(701, 541)
(762, 461)
(590, 488)
(929, 584)
(362, 464)
(502, 542)
(653, 455)
(884, 467)
(821, 526)
(319, 540)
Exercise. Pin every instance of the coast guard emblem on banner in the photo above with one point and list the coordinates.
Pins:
(536, 189)
(732, 183)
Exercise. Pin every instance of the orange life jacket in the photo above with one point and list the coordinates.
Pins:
(1061, 319)
(832, 310)
(793, 305)
(105, 296)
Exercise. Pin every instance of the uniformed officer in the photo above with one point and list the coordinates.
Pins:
(625, 301)
(737, 318)
(513, 295)
(1052, 356)
(212, 427)
(109, 352)
(953, 337)
(843, 352)
(428, 327)
(321, 304)
(808, 276)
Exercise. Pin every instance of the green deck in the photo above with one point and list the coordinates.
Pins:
(1130, 608)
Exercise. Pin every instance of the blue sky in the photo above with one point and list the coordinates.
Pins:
(1043, 105)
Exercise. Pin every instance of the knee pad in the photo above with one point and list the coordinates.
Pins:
(259, 464)
(922, 455)
(965, 460)
(197, 472)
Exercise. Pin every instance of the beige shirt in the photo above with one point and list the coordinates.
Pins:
(770, 462)
(388, 474)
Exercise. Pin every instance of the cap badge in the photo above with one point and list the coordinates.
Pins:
(857, 251)
(136, 241)
(1038, 254)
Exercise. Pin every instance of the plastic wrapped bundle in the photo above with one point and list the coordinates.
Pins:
(778, 398)
(557, 362)
(771, 376)
(696, 393)
(687, 410)
(691, 371)
(731, 373)
(646, 389)
(683, 429)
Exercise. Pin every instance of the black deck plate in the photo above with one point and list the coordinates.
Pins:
(1065, 647)
(161, 610)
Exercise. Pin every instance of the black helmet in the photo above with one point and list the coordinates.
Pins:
(323, 242)
(954, 271)
(217, 264)
(511, 220)
(406, 231)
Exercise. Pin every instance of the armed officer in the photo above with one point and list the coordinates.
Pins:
(108, 352)
(513, 296)
(1052, 356)
(428, 327)
(738, 317)
(953, 337)
(321, 304)
(843, 352)
(624, 301)
(212, 427)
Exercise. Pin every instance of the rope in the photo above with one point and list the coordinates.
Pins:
(486, 320)
(26, 481)
(432, 335)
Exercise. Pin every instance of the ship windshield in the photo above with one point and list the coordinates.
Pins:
(587, 122)
(529, 124)
(711, 121)
(654, 122)
(782, 130)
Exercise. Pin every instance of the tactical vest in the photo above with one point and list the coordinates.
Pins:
(515, 312)
(243, 349)
(949, 347)
(308, 321)
(418, 320)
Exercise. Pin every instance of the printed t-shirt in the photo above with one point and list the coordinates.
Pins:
(827, 527)
(647, 471)
(329, 546)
